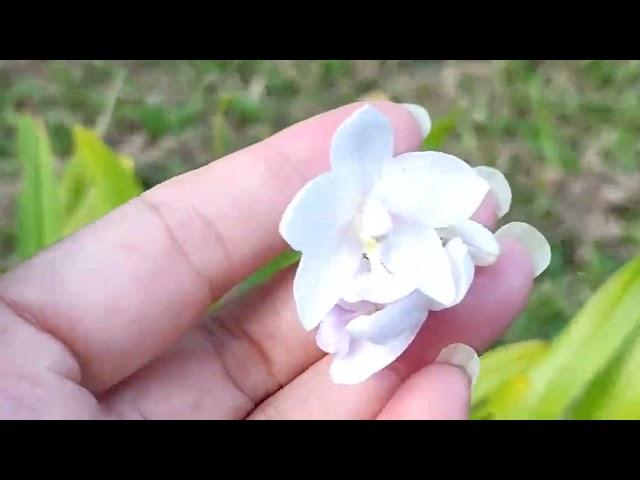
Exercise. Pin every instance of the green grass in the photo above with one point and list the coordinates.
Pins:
(565, 134)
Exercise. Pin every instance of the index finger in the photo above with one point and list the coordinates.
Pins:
(121, 290)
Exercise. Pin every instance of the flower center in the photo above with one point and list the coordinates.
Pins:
(372, 222)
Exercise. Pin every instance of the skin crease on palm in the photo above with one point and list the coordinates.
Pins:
(112, 322)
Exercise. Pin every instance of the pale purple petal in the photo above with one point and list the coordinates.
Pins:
(332, 336)
(365, 358)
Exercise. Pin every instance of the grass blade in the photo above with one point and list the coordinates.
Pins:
(38, 203)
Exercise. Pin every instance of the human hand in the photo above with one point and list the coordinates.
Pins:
(112, 322)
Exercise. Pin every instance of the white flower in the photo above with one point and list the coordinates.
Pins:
(368, 229)
(386, 240)
(365, 337)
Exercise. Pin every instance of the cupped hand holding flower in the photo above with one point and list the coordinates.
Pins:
(115, 321)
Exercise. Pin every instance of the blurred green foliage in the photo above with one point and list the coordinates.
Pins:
(38, 204)
(95, 181)
(589, 371)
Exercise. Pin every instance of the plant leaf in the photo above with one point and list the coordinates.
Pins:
(441, 129)
(286, 258)
(38, 203)
(499, 365)
(282, 261)
(615, 392)
(508, 396)
(97, 180)
(584, 348)
(74, 185)
(219, 127)
(85, 212)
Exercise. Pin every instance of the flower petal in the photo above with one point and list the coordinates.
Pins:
(377, 286)
(362, 307)
(463, 270)
(389, 322)
(321, 207)
(365, 358)
(415, 253)
(532, 240)
(431, 188)
(375, 220)
(483, 246)
(499, 187)
(322, 275)
(360, 145)
(332, 336)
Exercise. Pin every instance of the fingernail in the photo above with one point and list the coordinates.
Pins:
(422, 117)
(537, 246)
(461, 356)
(499, 187)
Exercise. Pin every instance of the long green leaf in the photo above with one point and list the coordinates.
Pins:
(615, 392)
(289, 257)
(507, 397)
(586, 346)
(74, 186)
(96, 181)
(497, 366)
(263, 274)
(38, 203)
(87, 209)
(109, 171)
